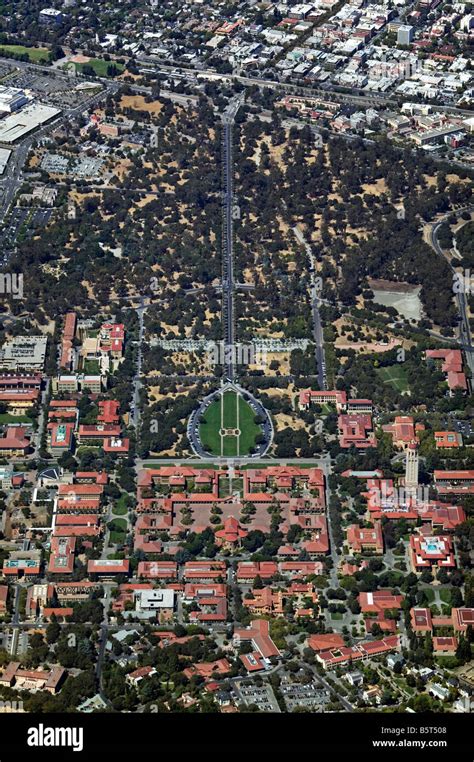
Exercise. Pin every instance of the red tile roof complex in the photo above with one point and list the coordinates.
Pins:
(69, 332)
(325, 642)
(259, 635)
(111, 338)
(204, 570)
(61, 560)
(447, 439)
(157, 570)
(209, 670)
(15, 440)
(460, 618)
(431, 552)
(454, 482)
(19, 381)
(421, 620)
(379, 601)
(108, 566)
(248, 570)
(49, 681)
(403, 431)
(108, 411)
(384, 500)
(232, 532)
(337, 398)
(300, 568)
(356, 430)
(344, 654)
(165, 492)
(29, 396)
(361, 540)
(443, 644)
(451, 365)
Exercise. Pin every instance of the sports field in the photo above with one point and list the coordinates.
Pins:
(228, 427)
(35, 55)
(100, 66)
(396, 376)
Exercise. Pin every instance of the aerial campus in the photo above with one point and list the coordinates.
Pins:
(236, 358)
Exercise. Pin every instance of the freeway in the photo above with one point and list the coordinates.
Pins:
(464, 328)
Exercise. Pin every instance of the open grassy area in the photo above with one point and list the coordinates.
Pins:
(445, 595)
(395, 375)
(429, 594)
(35, 55)
(234, 413)
(101, 67)
(8, 418)
(121, 506)
(117, 528)
(92, 367)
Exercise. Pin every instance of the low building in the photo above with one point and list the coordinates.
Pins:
(108, 567)
(431, 552)
(162, 570)
(247, 571)
(362, 540)
(259, 636)
(403, 431)
(61, 437)
(447, 440)
(32, 680)
(24, 353)
(135, 677)
(356, 430)
(161, 601)
(15, 442)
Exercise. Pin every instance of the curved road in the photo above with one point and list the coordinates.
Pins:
(465, 328)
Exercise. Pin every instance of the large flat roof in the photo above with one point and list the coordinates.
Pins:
(21, 123)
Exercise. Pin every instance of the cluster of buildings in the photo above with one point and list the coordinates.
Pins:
(83, 346)
(331, 650)
(173, 498)
(21, 113)
(65, 431)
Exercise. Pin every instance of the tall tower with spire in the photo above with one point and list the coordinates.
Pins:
(411, 470)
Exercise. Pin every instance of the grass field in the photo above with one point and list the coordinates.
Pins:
(121, 506)
(91, 367)
(8, 418)
(234, 413)
(396, 376)
(100, 67)
(117, 528)
(36, 55)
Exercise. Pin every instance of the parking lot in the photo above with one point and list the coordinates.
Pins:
(262, 697)
(310, 696)
(55, 89)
